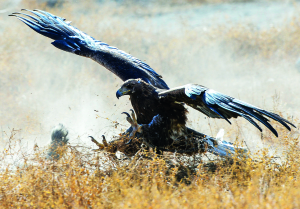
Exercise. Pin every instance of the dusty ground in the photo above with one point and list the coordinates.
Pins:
(247, 50)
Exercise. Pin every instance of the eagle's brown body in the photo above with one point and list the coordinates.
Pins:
(163, 121)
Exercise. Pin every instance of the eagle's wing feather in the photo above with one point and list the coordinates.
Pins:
(69, 38)
(218, 105)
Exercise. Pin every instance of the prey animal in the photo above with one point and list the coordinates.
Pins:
(161, 116)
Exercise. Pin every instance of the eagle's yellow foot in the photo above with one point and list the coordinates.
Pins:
(101, 146)
(135, 126)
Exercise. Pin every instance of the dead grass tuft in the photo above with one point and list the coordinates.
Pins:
(83, 178)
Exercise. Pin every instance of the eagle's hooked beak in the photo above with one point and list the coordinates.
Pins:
(121, 92)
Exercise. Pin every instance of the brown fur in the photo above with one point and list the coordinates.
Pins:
(120, 144)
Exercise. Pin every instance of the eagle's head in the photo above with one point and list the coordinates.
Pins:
(130, 87)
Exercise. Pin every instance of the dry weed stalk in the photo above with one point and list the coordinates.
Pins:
(84, 178)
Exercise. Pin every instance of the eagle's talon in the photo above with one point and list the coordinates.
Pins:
(101, 146)
(104, 141)
(128, 118)
(133, 122)
(126, 113)
(133, 115)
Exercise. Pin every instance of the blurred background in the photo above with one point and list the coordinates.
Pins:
(246, 49)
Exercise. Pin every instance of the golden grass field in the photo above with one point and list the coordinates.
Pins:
(246, 49)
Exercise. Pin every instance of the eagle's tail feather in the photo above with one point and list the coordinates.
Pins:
(225, 149)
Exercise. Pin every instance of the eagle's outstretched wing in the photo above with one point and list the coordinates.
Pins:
(70, 39)
(218, 105)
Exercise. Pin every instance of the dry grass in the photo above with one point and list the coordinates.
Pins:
(41, 86)
(84, 179)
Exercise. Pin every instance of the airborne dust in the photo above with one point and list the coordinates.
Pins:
(246, 50)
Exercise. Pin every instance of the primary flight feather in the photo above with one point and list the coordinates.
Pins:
(70, 39)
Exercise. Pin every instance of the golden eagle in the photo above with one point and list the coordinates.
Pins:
(160, 111)
(161, 115)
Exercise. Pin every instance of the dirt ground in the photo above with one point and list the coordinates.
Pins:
(247, 50)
